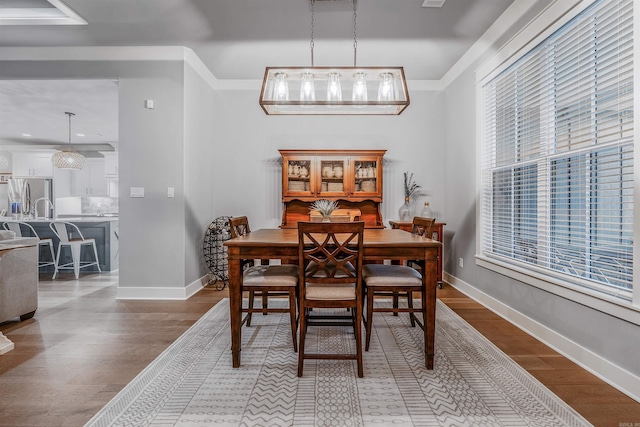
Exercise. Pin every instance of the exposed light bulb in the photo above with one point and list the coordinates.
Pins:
(281, 88)
(307, 88)
(334, 91)
(359, 87)
(386, 90)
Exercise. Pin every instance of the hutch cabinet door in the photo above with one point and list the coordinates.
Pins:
(333, 174)
(366, 177)
(299, 176)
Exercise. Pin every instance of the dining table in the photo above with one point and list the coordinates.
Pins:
(378, 245)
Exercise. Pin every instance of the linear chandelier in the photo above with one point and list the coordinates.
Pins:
(334, 90)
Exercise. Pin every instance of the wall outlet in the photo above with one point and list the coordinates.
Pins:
(461, 262)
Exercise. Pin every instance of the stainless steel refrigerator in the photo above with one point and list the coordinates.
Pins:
(25, 194)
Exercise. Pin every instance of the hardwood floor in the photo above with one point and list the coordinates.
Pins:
(598, 402)
(83, 346)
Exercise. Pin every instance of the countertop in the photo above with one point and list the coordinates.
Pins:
(66, 219)
(20, 242)
(89, 215)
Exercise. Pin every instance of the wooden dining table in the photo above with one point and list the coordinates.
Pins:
(379, 245)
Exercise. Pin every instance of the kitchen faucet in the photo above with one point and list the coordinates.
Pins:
(34, 209)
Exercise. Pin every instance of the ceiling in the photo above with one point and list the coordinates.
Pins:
(32, 114)
(236, 39)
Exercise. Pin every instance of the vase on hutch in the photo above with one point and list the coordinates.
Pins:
(405, 210)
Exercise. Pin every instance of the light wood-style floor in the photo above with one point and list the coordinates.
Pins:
(83, 346)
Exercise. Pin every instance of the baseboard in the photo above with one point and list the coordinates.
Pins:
(6, 345)
(607, 371)
(173, 293)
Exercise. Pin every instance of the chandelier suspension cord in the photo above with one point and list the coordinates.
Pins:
(313, 3)
(355, 24)
(70, 114)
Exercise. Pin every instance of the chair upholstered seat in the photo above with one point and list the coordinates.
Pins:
(338, 291)
(385, 275)
(271, 275)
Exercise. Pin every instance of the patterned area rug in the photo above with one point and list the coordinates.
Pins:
(473, 383)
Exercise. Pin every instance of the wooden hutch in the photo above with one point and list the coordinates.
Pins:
(353, 177)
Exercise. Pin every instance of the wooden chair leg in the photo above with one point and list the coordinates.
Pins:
(423, 309)
(410, 304)
(369, 319)
(303, 333)
(265, 294)
(292, 317)
(359, 341)
(251, 296)
(395, 303)
(265, 302)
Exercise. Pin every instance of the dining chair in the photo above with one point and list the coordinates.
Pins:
(381, 280)
(65, 231)
(330, 268)
(422, 227)
(16, 227)
(267, 281)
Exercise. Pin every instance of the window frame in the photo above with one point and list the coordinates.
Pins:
(536, 32)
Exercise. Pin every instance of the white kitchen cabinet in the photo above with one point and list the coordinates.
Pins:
(32, 165)
(90, 180)
(111, 165)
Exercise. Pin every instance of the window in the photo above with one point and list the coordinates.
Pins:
(557, 164)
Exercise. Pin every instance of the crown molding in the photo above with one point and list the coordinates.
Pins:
(509, 17)
(178, 53)
(59, 14)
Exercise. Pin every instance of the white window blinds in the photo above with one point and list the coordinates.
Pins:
(557, 154)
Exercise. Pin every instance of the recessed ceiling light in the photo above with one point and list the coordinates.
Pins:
(40, 12)
(80, 134)
(26, 134)
(433, 3)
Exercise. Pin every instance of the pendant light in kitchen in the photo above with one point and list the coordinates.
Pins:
(68, 159)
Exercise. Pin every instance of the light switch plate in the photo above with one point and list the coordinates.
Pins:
(170, 192)
(136, 192)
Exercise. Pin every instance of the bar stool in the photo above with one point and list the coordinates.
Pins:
(48, 242)
(61, 230)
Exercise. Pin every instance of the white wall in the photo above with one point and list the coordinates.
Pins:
(200, 191)
(151, 155)
(246, 165)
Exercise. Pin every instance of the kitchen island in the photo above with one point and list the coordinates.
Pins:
(104, 229)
